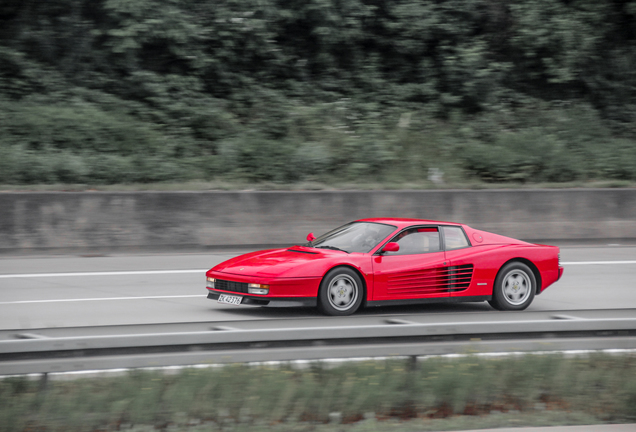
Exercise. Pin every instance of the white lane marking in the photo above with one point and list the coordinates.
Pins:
(101, 299)
(597, 262)
(114, 273)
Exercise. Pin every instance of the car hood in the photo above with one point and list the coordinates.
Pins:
(288, 262)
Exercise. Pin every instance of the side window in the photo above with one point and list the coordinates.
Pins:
(417, 241)
(455, 238)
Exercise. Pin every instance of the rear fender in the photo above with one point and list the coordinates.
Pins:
(530, 264)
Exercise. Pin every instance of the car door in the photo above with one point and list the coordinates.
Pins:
(416, 271)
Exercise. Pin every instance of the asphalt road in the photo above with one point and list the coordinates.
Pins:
(72, 291)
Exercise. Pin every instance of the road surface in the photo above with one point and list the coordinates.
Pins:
(71, 291)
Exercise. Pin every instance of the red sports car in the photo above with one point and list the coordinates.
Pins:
(390, 261)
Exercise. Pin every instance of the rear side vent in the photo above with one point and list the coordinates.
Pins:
(459, 277)
(431, 281)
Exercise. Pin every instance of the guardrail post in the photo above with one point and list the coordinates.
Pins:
(44, 381)
(411, 372)
(42, 389)
(412, 364)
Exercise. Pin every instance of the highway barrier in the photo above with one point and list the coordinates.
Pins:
(34, 353)
(103, 221)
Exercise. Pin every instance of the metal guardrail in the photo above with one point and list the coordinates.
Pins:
(390, 330)
(39, 354)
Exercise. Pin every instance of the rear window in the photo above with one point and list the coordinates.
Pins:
(454, 238)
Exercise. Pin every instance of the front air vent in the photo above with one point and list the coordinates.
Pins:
(239, 287)
(300, 251)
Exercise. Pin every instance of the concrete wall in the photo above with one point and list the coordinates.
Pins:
(97, 221)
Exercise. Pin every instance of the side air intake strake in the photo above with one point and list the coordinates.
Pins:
(432, 281)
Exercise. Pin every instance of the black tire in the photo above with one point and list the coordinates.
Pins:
(515, 287)
(341, 292)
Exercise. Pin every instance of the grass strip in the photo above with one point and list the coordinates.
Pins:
(223, 185)
(436, 394)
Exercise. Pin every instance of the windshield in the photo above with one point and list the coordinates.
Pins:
(354, 237)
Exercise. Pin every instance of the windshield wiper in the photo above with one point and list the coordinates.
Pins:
(331, 247)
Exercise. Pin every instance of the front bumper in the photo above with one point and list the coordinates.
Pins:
(267, 301)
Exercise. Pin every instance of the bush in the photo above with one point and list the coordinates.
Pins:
(561, 145)
(601, 385)
(350, 90)
(77, 127)
(257, 159)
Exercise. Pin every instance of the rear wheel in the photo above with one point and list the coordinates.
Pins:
(341, 292)
(514, 288)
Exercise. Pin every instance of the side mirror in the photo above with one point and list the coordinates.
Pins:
(391, 247)
(311, 237)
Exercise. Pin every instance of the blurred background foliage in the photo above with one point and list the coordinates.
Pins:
(115, 91)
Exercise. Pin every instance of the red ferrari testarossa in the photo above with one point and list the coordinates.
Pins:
(390, 261)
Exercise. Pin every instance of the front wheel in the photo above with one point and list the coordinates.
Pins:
(341, 292)
(514, 288)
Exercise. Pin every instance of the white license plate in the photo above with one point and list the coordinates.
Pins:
(229, 299)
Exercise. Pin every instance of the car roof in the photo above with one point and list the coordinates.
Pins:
(405, 222)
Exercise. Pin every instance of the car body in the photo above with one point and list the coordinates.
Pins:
(390, 261)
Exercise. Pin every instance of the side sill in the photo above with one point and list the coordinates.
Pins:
(428, 300)
(269, 302)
